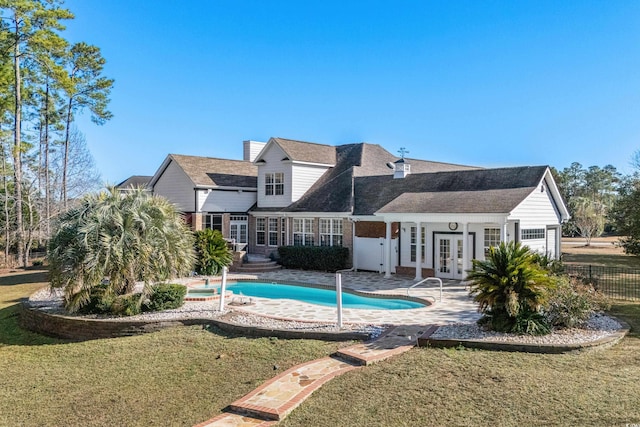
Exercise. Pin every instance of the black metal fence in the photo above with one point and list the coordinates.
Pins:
(615, 282)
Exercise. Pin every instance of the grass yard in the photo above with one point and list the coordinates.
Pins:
(436, 387)
(183, 376)
(178, 376)
(602, 251)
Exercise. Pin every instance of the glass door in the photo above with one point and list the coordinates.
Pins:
(449, 259)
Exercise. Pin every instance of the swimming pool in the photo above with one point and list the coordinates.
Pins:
(326, 297)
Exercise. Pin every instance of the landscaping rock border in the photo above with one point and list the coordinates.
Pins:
(495, 345)
(80, 329)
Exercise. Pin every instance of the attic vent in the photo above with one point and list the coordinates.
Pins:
(284, 159)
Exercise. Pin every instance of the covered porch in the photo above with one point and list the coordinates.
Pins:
(440, 245)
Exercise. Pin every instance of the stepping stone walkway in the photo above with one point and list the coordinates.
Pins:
(275, 399)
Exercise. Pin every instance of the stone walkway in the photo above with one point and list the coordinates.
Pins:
(275, 399)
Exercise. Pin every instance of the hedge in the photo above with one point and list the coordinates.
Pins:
(318, 258)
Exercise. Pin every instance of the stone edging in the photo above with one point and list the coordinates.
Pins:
(610, 340)
(80, 329)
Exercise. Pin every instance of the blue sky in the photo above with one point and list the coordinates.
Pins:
(487, 83)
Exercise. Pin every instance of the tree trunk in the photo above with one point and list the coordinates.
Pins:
(17, 143)
(47, 193)
(65, 161)
(7, 231)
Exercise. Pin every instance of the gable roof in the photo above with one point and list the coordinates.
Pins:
(302, 151)
(135, 181)
(483, 190)
(212, 172)
(334, 191)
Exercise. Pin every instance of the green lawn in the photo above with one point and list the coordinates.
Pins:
(178, 376)
(436, 387)
(182, 376)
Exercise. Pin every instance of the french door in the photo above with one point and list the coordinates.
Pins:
(448, 256)
(238, 228)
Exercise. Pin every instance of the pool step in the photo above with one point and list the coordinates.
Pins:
(257, 267)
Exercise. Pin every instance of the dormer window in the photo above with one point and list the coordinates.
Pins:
(274, 184)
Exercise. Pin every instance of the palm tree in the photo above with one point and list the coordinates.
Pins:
(212, 252)
(511, 288)
(122, 237)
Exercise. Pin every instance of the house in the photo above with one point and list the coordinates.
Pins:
(396, 215)
(211, 192)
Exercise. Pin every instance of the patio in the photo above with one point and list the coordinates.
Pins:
(455, 307)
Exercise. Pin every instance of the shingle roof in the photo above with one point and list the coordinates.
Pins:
(210, 171)
(483, 201)
(376, 192)
(334, 191)
(135, 181)
(307, 151)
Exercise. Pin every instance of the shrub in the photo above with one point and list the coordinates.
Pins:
(212, 252)
(511, 289)
(572, 302)
(127, 305)
(318, 258)
(100, 300)
(166, 296)
(550, 264)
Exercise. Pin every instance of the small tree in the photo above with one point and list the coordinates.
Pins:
(511, 289)
(589, 217)
(122, 237)
(212, 252)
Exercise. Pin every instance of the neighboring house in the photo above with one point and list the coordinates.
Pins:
(212, 193)
(135, 181)
(394, 214)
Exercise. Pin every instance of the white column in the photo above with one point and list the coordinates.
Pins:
(418, 250)
(465, 249)
(504, 231)
(353, 246)
(387, 250)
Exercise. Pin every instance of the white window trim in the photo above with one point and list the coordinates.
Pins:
(258, 230)
(334, 225)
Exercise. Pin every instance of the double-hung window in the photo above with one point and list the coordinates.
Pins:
(303, 232)
(273, 231)
(414, 239)
(212, 221)
(491, 238)
(283, 231)
(260, 231)
(274, 184)
(331, 232)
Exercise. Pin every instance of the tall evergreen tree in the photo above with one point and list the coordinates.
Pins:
(85, 87)
(29, 26)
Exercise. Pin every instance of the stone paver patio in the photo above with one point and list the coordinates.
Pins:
(455, 307)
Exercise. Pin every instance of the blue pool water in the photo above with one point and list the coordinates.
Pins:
(325, 297)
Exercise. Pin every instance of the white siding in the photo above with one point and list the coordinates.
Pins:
(304, 176)
(273, 158)
(177, 187)
(227, 201)
(536, 211)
